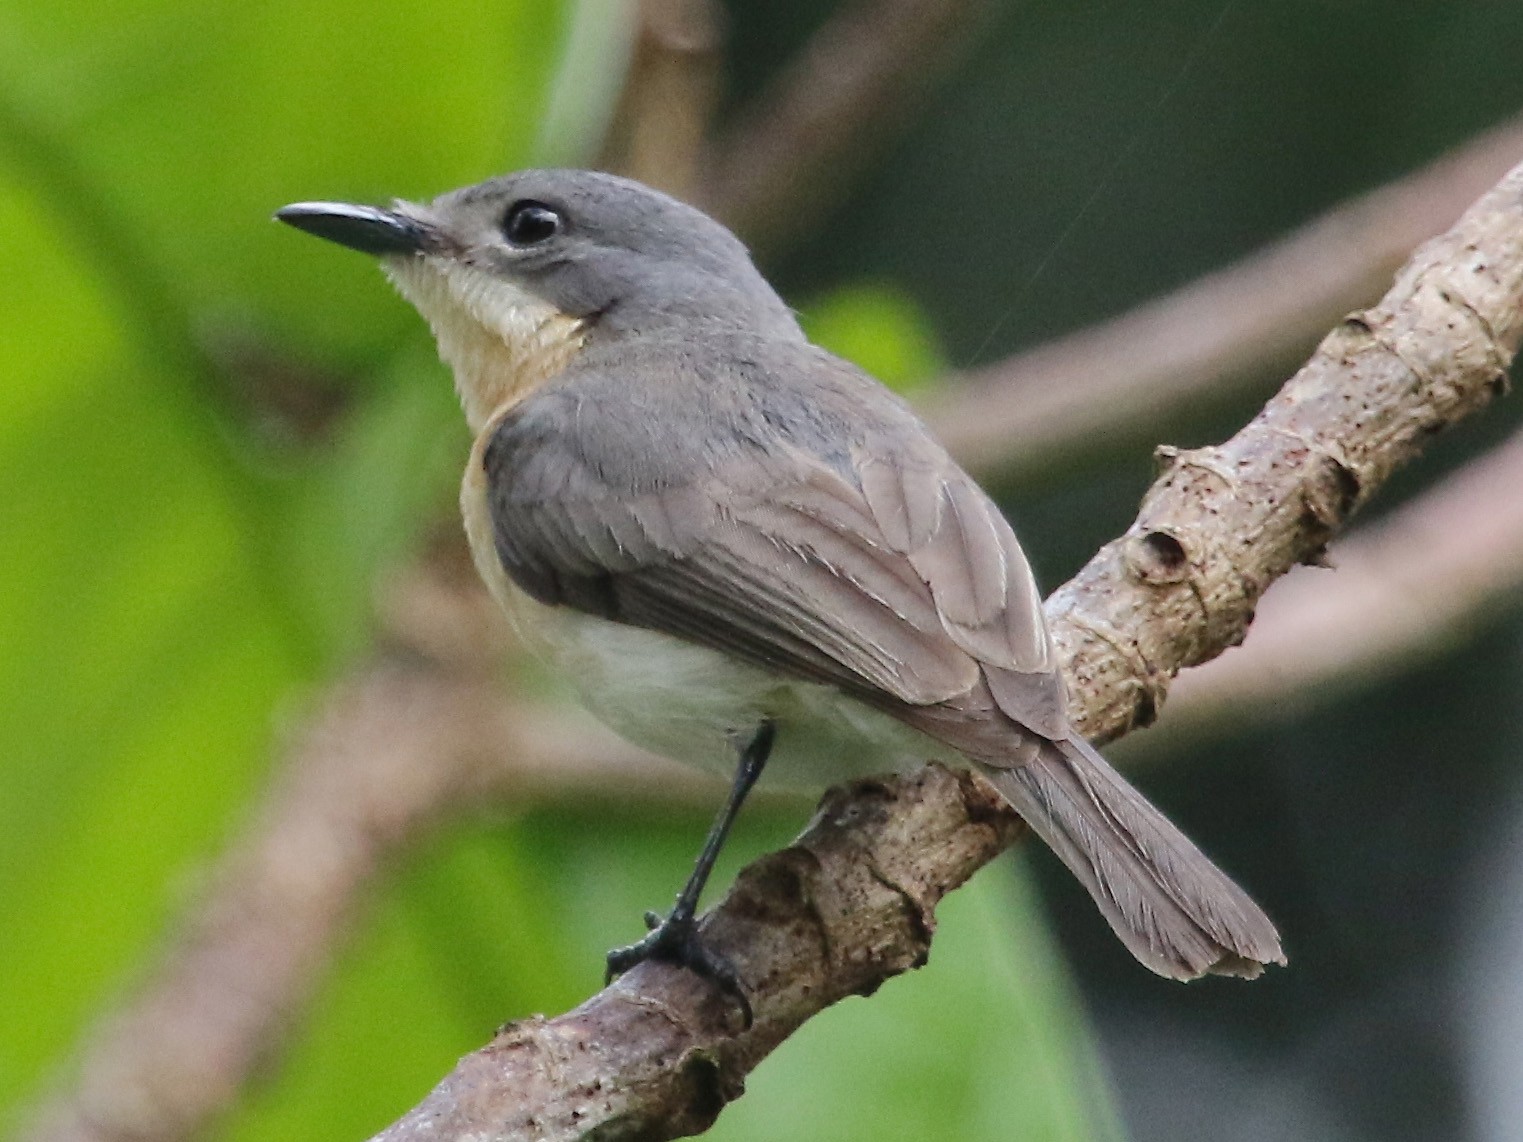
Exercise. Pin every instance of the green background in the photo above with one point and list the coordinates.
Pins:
(177, 583)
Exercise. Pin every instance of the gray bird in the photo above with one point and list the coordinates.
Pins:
(732, 540)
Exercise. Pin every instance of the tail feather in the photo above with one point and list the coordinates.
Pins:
(1177, 912)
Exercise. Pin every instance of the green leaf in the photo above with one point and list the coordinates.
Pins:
(879, 327)
(199, 119)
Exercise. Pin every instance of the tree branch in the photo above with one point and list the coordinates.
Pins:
(658, 1054)
(1407, 588)
(1126, 379)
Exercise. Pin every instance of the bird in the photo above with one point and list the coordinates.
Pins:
(747, 552)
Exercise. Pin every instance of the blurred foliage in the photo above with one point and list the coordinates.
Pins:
(176, 583)
(881, 329)
(178, 579)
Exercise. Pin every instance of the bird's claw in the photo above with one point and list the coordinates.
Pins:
(675, 940)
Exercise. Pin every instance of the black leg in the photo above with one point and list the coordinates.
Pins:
(675, 939)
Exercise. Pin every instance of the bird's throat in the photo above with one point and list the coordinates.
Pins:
(501, 342)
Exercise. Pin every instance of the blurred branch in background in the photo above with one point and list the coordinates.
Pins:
(850, 904)
(405, 741)
(393, 746)
(792, 154)
(1128, 379)
(662, 117)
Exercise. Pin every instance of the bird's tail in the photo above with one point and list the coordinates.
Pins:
(1178, 913)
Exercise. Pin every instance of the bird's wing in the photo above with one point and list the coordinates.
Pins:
(889, 574)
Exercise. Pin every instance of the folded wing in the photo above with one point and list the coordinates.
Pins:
(891, 576)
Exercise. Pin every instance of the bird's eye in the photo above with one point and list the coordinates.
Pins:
(528, 223)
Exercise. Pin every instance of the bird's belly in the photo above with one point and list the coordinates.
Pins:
(696, 705)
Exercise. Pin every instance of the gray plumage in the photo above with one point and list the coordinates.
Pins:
(693, 467)
(797, 516)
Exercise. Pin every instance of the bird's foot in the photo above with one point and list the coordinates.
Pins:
(676, 941)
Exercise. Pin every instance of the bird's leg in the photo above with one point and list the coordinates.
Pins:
(675, 939)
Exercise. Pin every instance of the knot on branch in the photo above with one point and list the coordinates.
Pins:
(1158, 557)
(1177, 544)
(1330, 495)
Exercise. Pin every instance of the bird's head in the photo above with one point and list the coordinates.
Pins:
(517, 275)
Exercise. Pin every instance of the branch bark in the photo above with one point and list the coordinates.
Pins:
(658, 1054)
(1412, 586)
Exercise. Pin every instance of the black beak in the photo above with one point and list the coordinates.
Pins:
(368, 229)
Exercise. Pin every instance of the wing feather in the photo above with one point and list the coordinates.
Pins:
(892, 577)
